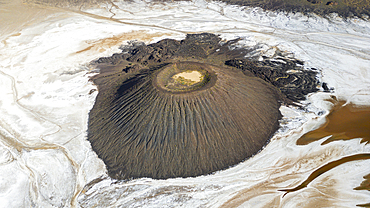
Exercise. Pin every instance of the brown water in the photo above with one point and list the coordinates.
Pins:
(326, 168)
(343, 123)
(365, 185)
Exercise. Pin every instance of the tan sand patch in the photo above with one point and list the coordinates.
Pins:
(193, 76)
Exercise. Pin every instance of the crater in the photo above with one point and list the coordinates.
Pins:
(184, 77)
(187, 108)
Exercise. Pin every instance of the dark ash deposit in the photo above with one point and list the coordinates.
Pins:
(148, 122)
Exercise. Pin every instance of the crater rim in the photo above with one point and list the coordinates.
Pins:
(172, 79)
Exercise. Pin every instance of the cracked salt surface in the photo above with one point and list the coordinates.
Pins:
(46, 161)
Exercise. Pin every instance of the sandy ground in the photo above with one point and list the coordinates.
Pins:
(193, 76)
(14, 15)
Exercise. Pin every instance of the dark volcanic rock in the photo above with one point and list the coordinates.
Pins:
(194, 46)
(149, 122)
(291, 79)
(344, 8)
(314, 1)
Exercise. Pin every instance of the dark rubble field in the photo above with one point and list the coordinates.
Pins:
(344, 8)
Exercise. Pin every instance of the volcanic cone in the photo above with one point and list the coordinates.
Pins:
(183, 119)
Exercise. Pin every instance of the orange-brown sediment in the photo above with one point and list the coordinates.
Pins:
(344, 122)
